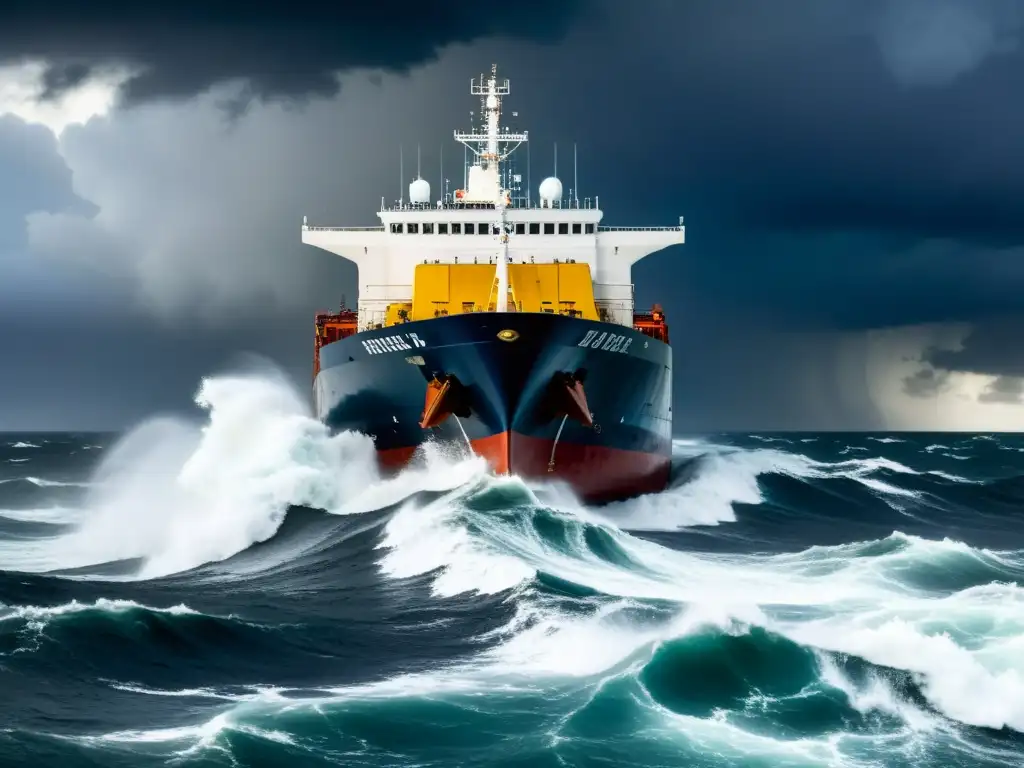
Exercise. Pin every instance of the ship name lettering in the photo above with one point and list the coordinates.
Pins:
(395, 343)
(608, 342)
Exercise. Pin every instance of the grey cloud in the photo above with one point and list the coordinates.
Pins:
(1004, 390)
(821, 194)
(926, 382)
(932, 42)
(62, 77)
(33, 177)
(202, 216)
(829, 212)
(992, 348)
(797, 161)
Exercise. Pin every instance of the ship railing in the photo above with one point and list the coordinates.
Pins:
(619, 311)
(615, 305)
(639, 229)
(613, 291)
(308, 228)
(372, 318)
(516, 203)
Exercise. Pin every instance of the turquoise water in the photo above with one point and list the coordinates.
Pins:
(246, 591)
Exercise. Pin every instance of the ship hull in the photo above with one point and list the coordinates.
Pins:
(610, 438)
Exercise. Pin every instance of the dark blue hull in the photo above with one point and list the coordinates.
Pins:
(377, 382)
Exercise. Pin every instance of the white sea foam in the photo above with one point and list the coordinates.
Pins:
(53, 515)
(40, 482)
(179, 495)
(726, 475)
(854, 598)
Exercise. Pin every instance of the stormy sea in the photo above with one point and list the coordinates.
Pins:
(245, 590)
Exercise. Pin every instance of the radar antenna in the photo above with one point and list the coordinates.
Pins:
(492, 145)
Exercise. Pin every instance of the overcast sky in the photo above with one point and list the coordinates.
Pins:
(851, 173)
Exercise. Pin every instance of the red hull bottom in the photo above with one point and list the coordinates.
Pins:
(596, 473)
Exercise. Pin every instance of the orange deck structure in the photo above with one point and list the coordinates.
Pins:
(331, 327)
(652, 323)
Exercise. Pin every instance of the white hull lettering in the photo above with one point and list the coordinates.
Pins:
(394, 343)
(607, 342)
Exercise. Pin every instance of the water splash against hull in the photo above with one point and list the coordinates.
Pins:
(283, 599)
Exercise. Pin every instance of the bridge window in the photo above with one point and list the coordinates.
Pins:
(470, 227)
(549, 228)
(520, 228)
(482, 229)
(428, 228)
(577, 228)
(412, 229)
(442, 228)
(456, 228)
(396, 229)
(589, 229)
(534, 227)
(563, 228)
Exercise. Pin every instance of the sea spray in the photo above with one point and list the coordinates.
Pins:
(445, 616)
(178, 494)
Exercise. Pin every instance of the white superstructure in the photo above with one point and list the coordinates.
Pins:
(484, 224)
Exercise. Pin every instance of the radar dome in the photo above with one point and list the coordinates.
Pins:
(419, 191)
(550, 189)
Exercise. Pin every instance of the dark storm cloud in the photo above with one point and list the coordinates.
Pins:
(1003, 390)
(993, 347)
(281, 48)
(62, 77)
(842, 164)
(927, 382)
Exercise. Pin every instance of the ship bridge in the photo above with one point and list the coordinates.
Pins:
(549, 253)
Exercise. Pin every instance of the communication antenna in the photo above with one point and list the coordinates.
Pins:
(575, 181)
(441, 186)
(490, 145)
(555, 174)
(401, 175)
(418, 161)
(528, 187)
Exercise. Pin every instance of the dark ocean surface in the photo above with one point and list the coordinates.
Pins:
(246, 591)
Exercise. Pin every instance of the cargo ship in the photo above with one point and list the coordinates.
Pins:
(502, 324)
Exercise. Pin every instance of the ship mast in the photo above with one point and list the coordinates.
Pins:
(491, 148)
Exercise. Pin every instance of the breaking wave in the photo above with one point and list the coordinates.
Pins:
(248, 582)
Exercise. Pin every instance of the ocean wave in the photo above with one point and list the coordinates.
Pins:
(539, 622)
(722, 476)
(38, 616)
(883, 601)
(40, 482)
